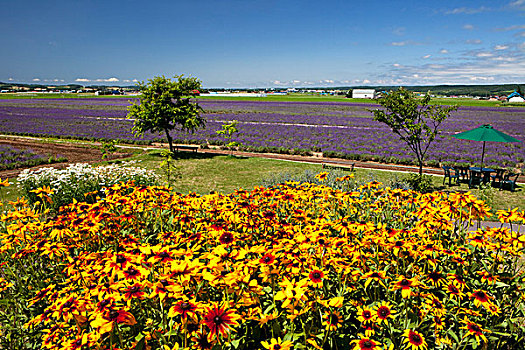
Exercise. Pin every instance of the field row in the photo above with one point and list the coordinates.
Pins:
(337, 129)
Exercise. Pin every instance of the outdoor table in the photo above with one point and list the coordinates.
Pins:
(485, 171)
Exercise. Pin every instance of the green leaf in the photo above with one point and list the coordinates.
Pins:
(141, 343)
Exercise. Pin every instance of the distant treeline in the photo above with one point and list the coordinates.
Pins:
(450, 90)
(445, 90)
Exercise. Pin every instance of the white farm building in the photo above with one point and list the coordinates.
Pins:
(515, 97)
(363, 93)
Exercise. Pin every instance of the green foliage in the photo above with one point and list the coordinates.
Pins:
(165, 105)
(228, 130)
(108, 147)
(414, 120)
(421, 183)
(170, 170)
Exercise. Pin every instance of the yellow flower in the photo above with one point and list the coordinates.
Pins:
(321, 176)
(414, 340)
(277, 344)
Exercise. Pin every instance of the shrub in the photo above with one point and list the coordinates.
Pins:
(420, 183)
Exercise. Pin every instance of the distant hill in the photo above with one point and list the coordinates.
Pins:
(444, 90)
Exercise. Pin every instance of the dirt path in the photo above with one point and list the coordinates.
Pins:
(74, 153)
(88, 152)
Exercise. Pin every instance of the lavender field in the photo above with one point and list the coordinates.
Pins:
(11, 158)
(337, 129)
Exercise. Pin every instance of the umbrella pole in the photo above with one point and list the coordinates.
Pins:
(482, 155)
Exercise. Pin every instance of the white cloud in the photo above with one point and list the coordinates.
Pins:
(501, 47)
(82, 80)
(10, 79)
(443, 51)
(515, 27)
(468, 26)
(504, 59)
(467, 11)
(277, 82)
(473, 41)
(108, 80)
(329, 81)
(484, 54)
(426, 56)
(36, 79)
(396, 65)
(519, 4)
(398, 43)
(366, 81)
(135, 81)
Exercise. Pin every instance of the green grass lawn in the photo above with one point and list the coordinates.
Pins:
(294, 97)
(328, 98)
(204, 172)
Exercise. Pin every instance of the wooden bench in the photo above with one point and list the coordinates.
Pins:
(338, 167)
(186, 147)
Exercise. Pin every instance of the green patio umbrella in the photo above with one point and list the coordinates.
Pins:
(485, 133)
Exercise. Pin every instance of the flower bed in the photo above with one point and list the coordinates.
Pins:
(79, 182)
(295, 265)
(12, 158)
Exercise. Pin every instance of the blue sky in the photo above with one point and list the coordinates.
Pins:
(234, 43)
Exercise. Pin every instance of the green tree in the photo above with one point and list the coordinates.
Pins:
(166, 105)
(413, 119)
(228, 130)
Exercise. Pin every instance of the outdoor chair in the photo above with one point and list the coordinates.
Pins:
(463, 173)
(475, 178)
(498, 177)
(509, 179)
(448, 174)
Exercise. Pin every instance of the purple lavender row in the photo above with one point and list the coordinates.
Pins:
(10, 156)
(365, 138)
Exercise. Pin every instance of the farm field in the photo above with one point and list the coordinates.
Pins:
(338, 129)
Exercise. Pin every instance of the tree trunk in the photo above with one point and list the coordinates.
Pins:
(170, 140)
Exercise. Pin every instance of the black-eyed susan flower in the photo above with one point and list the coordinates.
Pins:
(183, 308)
(377, 276)
(480, 298)
(406, 285)
(316, 277)
(321, 176)
(436, 278)
(474, 329)
(219, 320)
(384, 312)
(365, 343)
(414, 340)
(277, 344)
(267, 259)
(333, 320)
(366, 314)
(105, 321)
